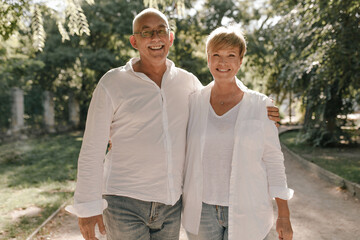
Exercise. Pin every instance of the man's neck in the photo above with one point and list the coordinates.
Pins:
(154, 71)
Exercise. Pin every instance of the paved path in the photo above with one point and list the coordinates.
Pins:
(318, 211)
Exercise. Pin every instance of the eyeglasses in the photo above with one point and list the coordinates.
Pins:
(148, 34)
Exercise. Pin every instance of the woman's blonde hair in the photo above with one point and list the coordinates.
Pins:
(225, 37)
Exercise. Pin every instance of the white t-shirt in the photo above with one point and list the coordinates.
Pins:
(218, 152)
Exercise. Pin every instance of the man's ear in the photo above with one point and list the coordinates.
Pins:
(172, 37)
(133, 41)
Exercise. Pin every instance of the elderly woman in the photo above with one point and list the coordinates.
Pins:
(234, 164)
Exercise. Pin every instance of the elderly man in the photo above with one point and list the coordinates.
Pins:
(143, 108)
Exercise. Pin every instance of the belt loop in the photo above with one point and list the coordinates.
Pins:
(153, 211)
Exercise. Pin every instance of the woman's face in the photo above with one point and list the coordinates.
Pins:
(224, 64)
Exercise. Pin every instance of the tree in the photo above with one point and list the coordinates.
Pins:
(10, 13)
(13, 14)
(17, 69)
(214, 14)
(16, 15)
(72, 67)
(313, 51)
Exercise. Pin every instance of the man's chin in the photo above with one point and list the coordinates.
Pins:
(158, 55)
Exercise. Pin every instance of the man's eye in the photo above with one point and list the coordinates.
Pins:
(231, 55)
(215, 55)
(162, 31)
(147, 33)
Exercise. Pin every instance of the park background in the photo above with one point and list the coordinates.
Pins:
(304, 54)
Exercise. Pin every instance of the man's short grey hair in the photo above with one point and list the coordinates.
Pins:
(149, 11)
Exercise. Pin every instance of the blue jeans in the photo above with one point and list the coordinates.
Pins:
(213, 223)
(131, 219)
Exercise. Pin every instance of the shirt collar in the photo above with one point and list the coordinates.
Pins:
(238, 82)
(169, 64)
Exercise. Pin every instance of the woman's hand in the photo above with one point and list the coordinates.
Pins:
(283, 224)
(284, 229)
(274, 115)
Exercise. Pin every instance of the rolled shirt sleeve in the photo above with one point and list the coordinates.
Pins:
(274, 162)
(88, 193)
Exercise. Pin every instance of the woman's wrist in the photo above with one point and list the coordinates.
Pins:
(283, 209)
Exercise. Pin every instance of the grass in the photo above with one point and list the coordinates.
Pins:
(41, 173)
(343, 161)
(37, 173)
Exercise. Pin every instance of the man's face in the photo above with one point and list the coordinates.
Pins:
(156, 47)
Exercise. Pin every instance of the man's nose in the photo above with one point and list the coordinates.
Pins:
(155, 34)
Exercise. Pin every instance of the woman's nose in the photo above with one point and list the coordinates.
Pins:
(222, 60)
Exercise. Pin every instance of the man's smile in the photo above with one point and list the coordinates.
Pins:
(223, 70)
(158, 47)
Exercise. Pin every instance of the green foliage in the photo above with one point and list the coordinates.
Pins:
(5, 108)
(17, 69)
(217, 13)
(70, 14)
(313, 51)
(193, 30)
(343, 160)
(16, 15)
(188, 50)
(36, 172)
(77, 23)
(33, 108)
(308, 48)
(5, 94)
(75, 66)
(38, 29)
(10, 13)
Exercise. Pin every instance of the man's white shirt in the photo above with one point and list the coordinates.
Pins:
(147, 127)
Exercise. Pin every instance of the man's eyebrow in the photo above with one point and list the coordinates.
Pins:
(160, 25)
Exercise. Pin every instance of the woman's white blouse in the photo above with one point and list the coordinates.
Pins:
(257, 167)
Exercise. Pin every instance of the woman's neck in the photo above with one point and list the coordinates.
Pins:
(225, 87)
